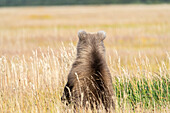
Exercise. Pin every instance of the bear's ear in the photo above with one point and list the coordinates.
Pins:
(81, 34)
(102, 35)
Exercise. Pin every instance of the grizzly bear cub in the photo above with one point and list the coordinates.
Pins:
(89, 82)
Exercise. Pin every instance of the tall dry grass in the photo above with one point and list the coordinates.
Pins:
(36, 85)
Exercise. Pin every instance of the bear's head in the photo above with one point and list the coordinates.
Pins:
(90, 42)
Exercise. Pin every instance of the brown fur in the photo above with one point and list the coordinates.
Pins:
(89, 81)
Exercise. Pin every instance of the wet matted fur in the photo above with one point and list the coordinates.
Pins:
(89, 82)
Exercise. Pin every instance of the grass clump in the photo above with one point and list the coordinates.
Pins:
(141, 91)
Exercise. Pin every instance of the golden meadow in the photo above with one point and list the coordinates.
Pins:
(38, 46)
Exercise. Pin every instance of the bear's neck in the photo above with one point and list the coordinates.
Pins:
(93, 57)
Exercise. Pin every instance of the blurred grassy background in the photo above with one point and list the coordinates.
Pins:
(128, 27)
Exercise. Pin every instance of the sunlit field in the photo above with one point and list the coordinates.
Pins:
(38, 47)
